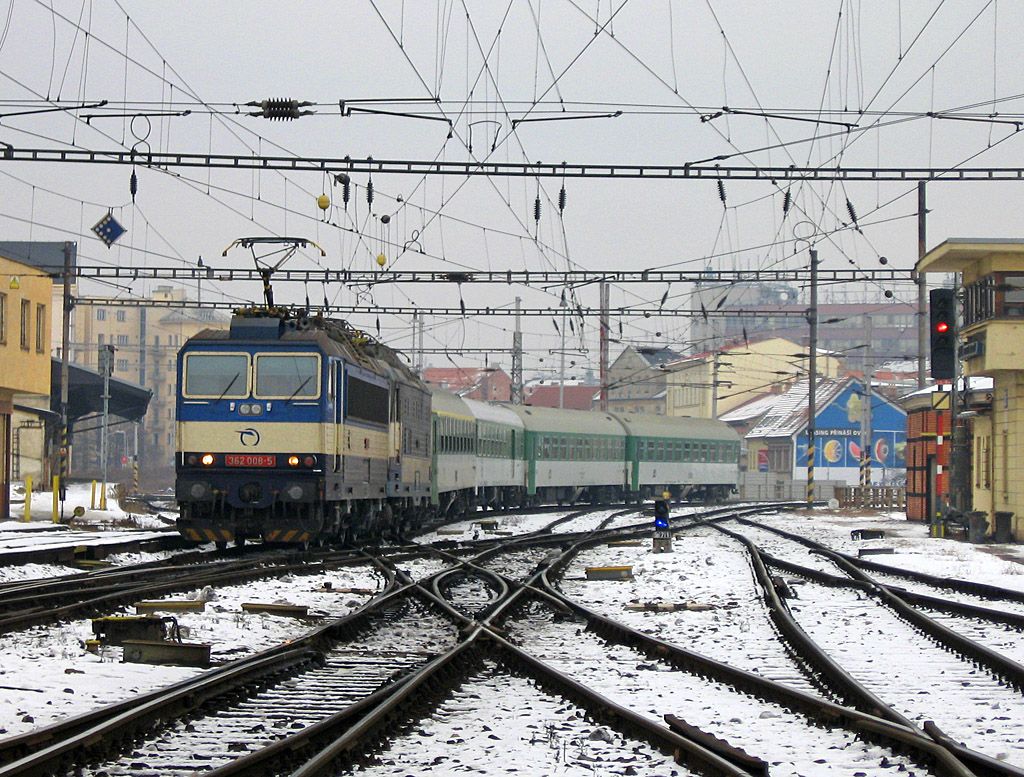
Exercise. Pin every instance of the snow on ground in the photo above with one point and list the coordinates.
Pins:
(79, 495)
(1001, 565)
(502, 724)
(516, 524)
(15, 572)
(707, 569)
(46, 673)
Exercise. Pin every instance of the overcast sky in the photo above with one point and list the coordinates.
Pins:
(880, 66)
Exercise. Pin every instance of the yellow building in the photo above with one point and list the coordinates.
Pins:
(709, 384)
(146, 339)
(992, 344)
(25, 292)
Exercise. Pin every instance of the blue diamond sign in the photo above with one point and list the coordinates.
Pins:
(108, 229)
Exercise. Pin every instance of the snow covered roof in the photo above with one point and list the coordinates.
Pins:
(755, 408)
(974, 383)
(788, 415)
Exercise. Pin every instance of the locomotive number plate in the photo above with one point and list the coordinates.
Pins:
(250, 460)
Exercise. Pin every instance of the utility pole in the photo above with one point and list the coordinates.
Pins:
(604, 345)
(415, 334)
(812, 405)
(423, 326)
(65, 370)
(561, 369)
(135, 459)
(517, 359)
(922, 289)
(959, 458)
(107, 366)
(866, 441)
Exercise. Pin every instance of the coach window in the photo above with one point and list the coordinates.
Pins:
(288, 376)
(217, 375)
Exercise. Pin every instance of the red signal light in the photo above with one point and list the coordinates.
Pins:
(942, 327)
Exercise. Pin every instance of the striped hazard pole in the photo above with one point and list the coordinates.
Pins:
(810, 469)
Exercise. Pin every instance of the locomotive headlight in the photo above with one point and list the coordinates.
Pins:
(293, 461)
(309, 461)
(256, 408)
(244, 409)
(207, 459)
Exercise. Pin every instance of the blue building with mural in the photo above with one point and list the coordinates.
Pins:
(778, 442)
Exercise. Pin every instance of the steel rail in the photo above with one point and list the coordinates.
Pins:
(992, 660)
(985, 590)
(824, 712)
(821, 711)
(844, 682)
(950, 606)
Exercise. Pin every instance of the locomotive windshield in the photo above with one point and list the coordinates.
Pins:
(217, 375)
(288, 376)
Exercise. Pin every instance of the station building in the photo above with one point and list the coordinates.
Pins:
(25, 293)
(992, 345)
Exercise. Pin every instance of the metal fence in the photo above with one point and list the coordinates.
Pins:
(887, 497)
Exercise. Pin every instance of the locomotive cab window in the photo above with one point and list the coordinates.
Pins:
(287, 376)
(217, 375)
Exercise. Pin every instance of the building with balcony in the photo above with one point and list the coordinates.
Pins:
(991, 341)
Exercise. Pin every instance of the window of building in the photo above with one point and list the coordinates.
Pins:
(26, 323)
(100, 339)
(40, 328)
(122, 365)
(1000, 295)
(122, 339)
(3, 317)
(101, 314)
(121, 315)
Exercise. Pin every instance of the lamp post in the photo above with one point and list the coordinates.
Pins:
(812, 405)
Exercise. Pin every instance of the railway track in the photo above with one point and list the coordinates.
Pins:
(489, 625)
(937, 680)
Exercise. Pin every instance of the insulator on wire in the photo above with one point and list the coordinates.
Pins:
(536, 209)
(346, 191)
(555, 322)
(378, 326)
(851, 211)
(561, 200)
(721, 190)
(133, 185)
(280, 109)
(369, 192)
(787, 202)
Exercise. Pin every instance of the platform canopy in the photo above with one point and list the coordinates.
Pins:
(85, 394)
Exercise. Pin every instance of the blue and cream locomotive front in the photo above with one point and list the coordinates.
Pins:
(251, 452)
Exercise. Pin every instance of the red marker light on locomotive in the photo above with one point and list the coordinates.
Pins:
(942, 327)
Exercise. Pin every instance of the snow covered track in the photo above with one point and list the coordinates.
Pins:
(921, 680)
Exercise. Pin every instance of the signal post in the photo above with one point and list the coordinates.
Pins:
(662, 532)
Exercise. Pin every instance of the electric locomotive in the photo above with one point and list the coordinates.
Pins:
(295, 428)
